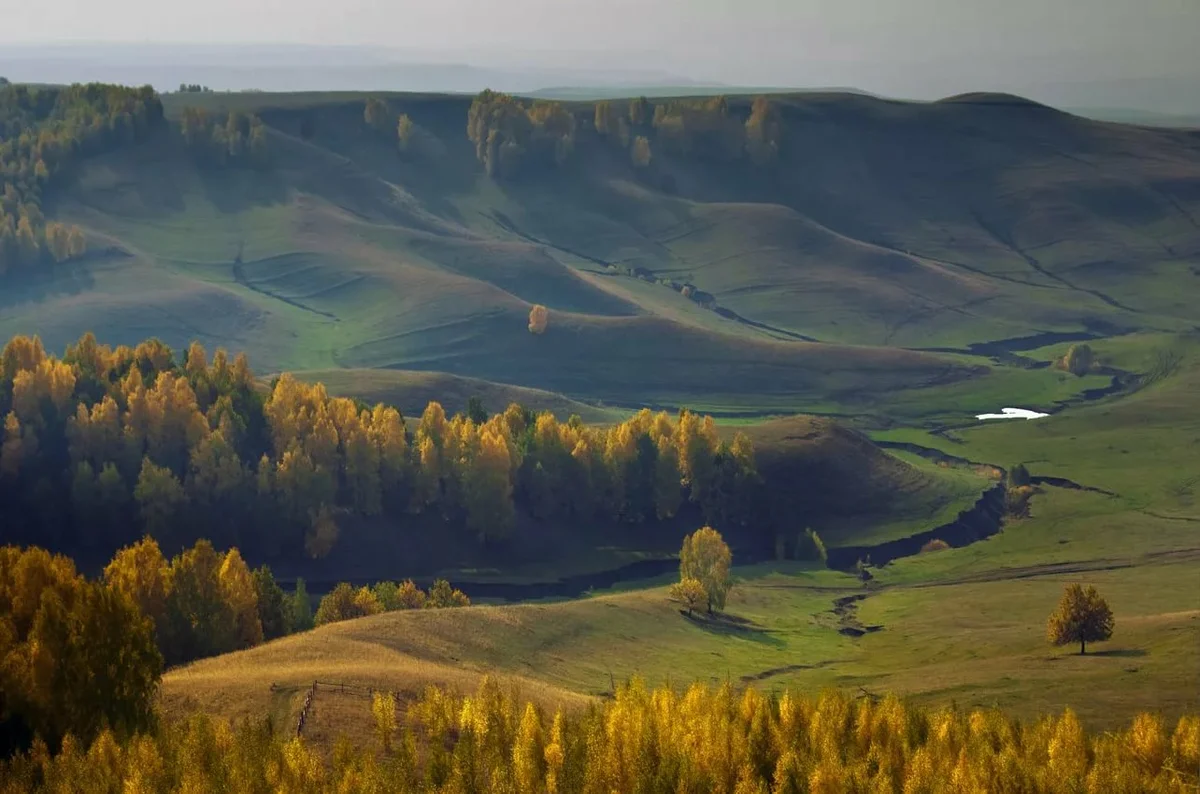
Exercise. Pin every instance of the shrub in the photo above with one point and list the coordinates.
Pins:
(386, 593)
(538, 319)
(409, 596)
(442, 595)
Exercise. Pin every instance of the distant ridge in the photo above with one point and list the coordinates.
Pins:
(993, 98)
(593, 93)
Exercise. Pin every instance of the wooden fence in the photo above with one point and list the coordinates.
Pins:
(340, 688)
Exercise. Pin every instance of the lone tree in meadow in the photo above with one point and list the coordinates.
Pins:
(405, 129)
(706, 558)
(538, 319)
(1079, 360)
(1082, 616)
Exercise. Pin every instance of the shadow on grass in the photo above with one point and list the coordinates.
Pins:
(1121, 653)
(732, 626)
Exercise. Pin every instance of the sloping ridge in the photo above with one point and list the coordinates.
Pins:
(981, 521)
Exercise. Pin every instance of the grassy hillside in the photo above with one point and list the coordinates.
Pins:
(963, 626)
(977, 643)
(917, 225)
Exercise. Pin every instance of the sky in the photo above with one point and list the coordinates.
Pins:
(914, 48)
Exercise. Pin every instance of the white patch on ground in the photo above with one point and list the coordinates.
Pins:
(1013, 413)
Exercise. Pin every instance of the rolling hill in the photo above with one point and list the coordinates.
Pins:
(900, 267)
(885, 225)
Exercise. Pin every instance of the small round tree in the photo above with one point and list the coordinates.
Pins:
(706, 558)
(538, 319)
(1082, 616)
(1079, 360)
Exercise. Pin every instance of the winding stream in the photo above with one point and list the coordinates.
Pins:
(982, 520)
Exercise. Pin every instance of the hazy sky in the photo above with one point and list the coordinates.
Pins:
(895, 46)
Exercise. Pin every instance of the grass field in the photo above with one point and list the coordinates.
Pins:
(980, 643)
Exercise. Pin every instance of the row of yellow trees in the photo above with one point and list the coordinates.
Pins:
(702, 739)
(345, 602)
(141, 443)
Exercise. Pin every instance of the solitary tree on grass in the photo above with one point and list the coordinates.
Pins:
(1082, 616)
(538, 319)
(706, 558)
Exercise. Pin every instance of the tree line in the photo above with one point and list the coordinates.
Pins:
(235, 138)
(701, 129)
(105, 444)
(513, 137)
(697, 739)
(44, 132)
(346, 603)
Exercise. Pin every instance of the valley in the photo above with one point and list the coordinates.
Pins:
(841, 287)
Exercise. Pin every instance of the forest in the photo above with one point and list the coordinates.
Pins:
(44, 132)
(144, 444)
(703, 738)
(238, 138)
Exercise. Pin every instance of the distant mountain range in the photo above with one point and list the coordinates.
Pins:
(1168, 100)
(305, 68)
